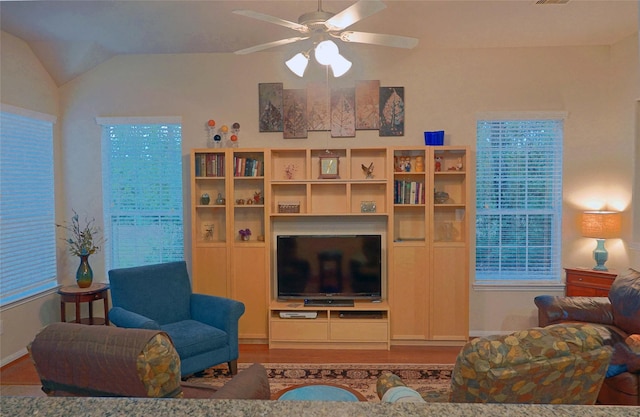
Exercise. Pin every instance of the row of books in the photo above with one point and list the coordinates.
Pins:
(209, 165)
(408, 192)
(247, 167)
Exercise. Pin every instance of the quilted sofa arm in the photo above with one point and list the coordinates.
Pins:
(219, 312)
(555, 309)
(128, 319)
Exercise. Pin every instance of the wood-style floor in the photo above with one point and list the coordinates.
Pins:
(22, 372)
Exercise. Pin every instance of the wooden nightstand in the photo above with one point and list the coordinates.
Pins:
(582, 282)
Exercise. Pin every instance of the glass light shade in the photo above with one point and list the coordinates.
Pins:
(326, 51)
(601, 224)
(298, 64)
(340, 65)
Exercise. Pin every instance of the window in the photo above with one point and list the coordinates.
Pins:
(142, 183)
(27, 209)
(518, 200)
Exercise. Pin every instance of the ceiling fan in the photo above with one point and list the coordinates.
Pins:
(321, 25)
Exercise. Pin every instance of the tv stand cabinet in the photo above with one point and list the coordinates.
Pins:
(363, 326)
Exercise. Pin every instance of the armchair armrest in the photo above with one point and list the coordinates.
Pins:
(219, 312)
(125, 318)
(554, 309)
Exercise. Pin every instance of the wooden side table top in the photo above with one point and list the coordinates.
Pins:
(75, 290)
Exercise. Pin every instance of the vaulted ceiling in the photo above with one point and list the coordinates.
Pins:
(71, 37)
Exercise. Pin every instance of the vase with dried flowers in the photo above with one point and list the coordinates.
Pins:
(245, 234)
(82, 242)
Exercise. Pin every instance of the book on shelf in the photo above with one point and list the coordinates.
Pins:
(209, 165)
(408, 192)
(247, 167)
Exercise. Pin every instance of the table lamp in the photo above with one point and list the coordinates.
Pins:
(601, 225)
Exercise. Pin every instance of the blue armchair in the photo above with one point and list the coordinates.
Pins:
(203, 328)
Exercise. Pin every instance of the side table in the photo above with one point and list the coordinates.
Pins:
(77, 295)
(582, 282)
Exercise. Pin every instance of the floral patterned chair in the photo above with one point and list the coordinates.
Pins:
(561, 364)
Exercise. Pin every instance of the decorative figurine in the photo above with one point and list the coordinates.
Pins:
(419, 164)
(204, 199)
(368, 171)
(438, 164)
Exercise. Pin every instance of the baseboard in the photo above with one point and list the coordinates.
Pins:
(17, 355)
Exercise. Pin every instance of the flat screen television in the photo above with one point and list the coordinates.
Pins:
(329, 267)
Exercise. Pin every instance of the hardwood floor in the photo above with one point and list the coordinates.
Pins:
(22, 371)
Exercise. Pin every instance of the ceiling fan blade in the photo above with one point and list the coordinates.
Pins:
(354, 13)
(272, 19)
(268, 45)
(379, 39)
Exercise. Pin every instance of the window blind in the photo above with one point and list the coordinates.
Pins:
(27, 209)
(519, 200)
(142, 183)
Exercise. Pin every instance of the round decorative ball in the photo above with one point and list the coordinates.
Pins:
(217, 138)
(234, 138)
(211, 123)
(224, 129)
(236, 125)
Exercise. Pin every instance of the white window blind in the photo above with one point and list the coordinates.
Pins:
(142, 183)
(519, 200)
(27, 213)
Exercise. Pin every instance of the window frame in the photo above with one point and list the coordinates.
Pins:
(524, 283)
(46, 238)
(106, 123)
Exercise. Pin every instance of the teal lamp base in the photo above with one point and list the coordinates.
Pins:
(601, 255)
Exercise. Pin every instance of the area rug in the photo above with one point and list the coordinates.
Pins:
(431, 381)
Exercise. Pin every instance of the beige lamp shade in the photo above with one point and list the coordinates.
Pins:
(601, 224)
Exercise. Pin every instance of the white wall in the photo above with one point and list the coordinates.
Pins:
(25, 83)
(444, 89)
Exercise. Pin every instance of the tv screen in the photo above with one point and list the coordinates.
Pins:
(329, 266)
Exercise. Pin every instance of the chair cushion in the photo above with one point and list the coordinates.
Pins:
(192, 337)
(161, 292)
(625, 301)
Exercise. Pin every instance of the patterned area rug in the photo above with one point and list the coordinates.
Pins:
(431, 381)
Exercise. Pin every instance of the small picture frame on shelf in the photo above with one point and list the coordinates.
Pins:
(329, 166)
(367, 207)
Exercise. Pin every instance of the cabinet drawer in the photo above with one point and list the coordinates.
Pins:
(354, 330)
(299, 330)
(577, 279)
(577, 291)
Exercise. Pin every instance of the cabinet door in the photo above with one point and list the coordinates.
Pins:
(250, 287)
(409, 293)
(209, 275)
(449, 294)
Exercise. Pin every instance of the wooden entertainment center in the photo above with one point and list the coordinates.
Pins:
(417, 197)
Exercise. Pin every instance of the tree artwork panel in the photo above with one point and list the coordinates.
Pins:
(318, 117)
(343, 113)
(270, 107)
(295, 113)
(391, 111)
(367, 105)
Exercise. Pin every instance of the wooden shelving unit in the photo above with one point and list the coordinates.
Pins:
(425, 299)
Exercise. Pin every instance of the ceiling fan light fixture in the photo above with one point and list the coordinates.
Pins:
(326, 51)
(298, 63)
(340, 65)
